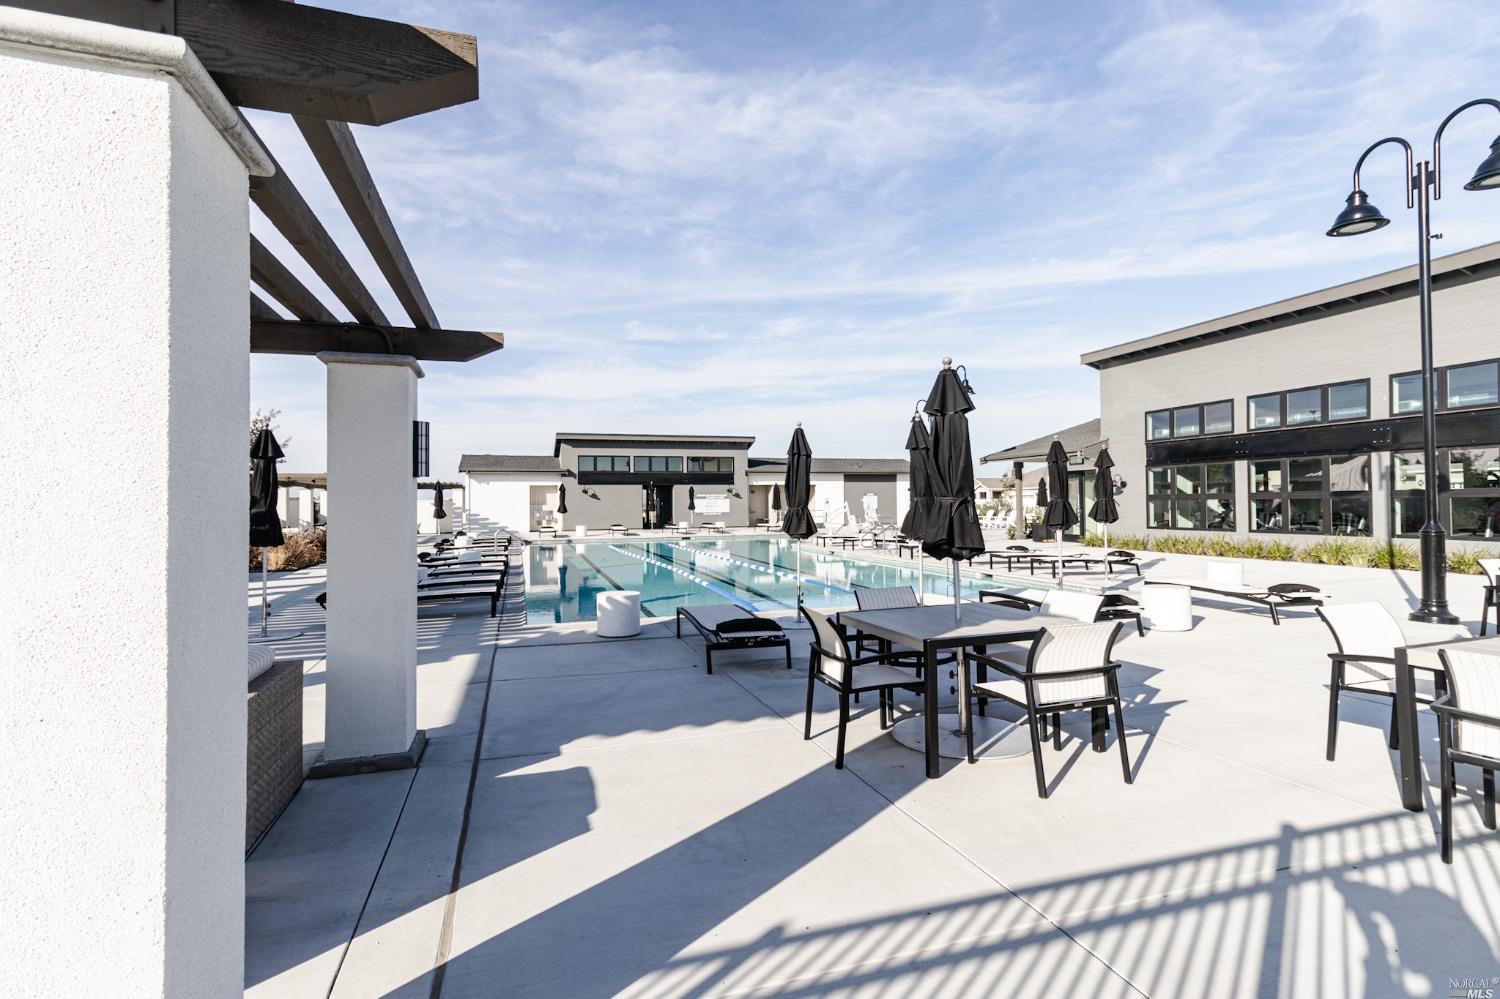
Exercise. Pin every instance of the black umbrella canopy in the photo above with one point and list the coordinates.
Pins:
(798, 521)
(1104, 509)
(1060, 514)
(776, 497)
(438, 513)
(1041, 493)
(562, 499)
(265, 522)
(692, 500)
(951, 528)
(919, 479)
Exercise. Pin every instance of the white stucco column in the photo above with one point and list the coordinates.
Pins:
(372, 557)
(124, 388)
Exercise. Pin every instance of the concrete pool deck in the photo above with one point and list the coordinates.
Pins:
(639, 828)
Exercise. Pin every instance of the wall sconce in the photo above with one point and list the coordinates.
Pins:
(1120, 485)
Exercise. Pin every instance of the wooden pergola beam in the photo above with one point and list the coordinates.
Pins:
(284, 336)
(305, 60)
(282, 285)
(278, 198)
(260, 310)
(332, 144)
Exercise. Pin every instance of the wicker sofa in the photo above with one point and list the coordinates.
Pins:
(273, 758)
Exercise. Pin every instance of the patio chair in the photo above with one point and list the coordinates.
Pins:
(833, 663)
(729, 626)
(1068, 669)
(1366, 637)
(1468, 730)
(886, 598)
(1491, 569)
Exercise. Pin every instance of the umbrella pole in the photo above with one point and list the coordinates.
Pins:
(921, 576)
(799, 579)
(265, 559)
(1059, 556)
(957, 608)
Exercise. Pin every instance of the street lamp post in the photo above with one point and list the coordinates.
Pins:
(1424, 185)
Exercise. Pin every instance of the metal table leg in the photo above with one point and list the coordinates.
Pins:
(930, 708)
(1409, 752)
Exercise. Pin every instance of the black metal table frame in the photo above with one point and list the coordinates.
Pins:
(1017, 631)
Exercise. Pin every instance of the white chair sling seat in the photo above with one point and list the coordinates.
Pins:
(1369, 629)
(884, 597)
(1079, 646)
(835, 664)
(1474, 679)
(1080, 607)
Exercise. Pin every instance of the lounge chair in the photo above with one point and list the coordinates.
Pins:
(729, 626)
(1067, 669)
(453, 587)
(845, 541)
(833, 663)
(1491, 569)
(1227, 579)
(1468, 730)
(1011, 554)
(1366, 637)
(685, 527)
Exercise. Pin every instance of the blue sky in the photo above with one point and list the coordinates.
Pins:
(699, 217)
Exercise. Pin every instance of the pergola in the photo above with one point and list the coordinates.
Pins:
(326, 69)
(128, 162)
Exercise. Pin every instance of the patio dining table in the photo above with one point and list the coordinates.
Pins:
(1409, 659)
(932, 629)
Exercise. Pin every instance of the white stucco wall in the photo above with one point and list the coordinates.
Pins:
(372, 607)
(503, 499)
(123, 312)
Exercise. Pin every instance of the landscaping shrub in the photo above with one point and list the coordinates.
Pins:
(1363, 552)
(302, 549)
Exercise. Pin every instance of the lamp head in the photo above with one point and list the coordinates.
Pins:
(1487, 177)
(1358, 216)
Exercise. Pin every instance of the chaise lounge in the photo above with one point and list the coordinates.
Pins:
(727, 626)
(1227, 579)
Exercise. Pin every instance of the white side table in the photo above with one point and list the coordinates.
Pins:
(1167, 608)
(617, 614)
(579, 531)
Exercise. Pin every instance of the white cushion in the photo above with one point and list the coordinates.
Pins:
(1475, 681)
(261, 658)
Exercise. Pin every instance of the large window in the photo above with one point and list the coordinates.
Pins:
(603, 463)
(1332, 403)
(710, 464)
(1469, 491)
(657, 463)
(1311, 495)
(1190, 421)
(1458, 386)
(1191, 497)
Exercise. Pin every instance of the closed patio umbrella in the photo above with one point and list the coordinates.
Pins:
(265, 522)
(951, 528)
(1104, 510)
(1059, 515)
(562, 499)
(438, 513)
(775, 503)
(919, 488)
(692, 504)
(798, 522)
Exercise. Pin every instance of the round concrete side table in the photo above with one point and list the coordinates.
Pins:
(1167, 608)
(580, 531)
(617, 614)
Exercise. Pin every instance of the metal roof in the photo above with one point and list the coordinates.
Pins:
(1082, 437)
(509, 463)
(1457, 268)
(835, 466)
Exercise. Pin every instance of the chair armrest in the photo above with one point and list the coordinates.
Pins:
(880, 657)
(1347, 657)
(1421, 633)
(1070, 674)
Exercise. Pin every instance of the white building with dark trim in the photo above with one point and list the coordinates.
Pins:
(642, 481)
(1302, 419)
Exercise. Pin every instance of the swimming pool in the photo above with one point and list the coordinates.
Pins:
(758, 573)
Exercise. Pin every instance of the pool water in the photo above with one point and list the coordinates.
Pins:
(758, 573)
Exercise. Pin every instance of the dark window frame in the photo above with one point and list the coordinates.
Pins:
(719, 464)
(1446, 495)
(1324, 397)
(1325, 495)
(593, 460)
(1203, 496)
(650, 461)
(1440, 388)
(1171, 414)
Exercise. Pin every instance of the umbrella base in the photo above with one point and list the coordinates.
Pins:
(275, 635)
(994, 738)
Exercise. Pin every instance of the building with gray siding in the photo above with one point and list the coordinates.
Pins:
(1302, 419)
